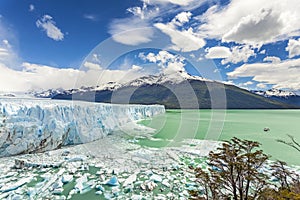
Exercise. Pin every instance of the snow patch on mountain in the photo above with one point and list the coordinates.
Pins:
(171, 78)
(275, 93)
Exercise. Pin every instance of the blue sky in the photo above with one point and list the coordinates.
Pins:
(58, 44)
(84, 25)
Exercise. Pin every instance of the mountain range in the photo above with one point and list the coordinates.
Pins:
(176, 90)
(280, 95)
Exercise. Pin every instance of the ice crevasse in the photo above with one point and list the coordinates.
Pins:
(32, 125)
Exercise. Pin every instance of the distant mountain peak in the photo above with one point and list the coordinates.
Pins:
(278, 92)
(275, 93)
(108, 86)
(283, 96)
(171, 77)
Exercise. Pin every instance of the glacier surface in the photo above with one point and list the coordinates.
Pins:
(34, 125)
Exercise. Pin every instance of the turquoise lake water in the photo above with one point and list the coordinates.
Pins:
(176, 125)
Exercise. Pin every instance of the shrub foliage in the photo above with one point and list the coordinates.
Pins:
(238, 171)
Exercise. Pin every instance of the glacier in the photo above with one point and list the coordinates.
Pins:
(38, 125)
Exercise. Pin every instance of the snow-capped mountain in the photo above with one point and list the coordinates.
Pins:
(7, 95)
(108, 86)
(171, 91)
(275, 93)
(174, 78)
(164, 89)
(53, 92)
(280, 95)
(46, 94)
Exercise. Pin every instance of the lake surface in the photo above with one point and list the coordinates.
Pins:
(177, 125)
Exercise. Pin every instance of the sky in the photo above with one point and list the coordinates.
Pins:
(67, 44)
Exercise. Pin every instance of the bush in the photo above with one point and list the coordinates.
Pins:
(236, 172)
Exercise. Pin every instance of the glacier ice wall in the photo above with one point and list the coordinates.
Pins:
(32, 125)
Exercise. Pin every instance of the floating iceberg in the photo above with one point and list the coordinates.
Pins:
(156, 178)
(15, 185)
(33, 125)
(113, 181)
(66, 178)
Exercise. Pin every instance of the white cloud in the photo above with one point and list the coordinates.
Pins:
(96, 58)
(130, 31)
(167, 62)
(293, 48)
(92, 66)
(247, 83)
(47, 24)
(3, 53)
(254, 22)
(90, 17)
(163, 57)
(239, 54)
(41, 77)
(262, 27)
(137, 29)
(228, 82)
(218, 52)
(136, 67)
(31, 7)
(137, 11)
(261, 85)
(151, 57)
(98, 76)
(15, 77)
(11, 80)
(284, 75)
(6, 43)
(272, 59)
(176, 2)
(262, 51)
(182, 18)
(234, 55)
(35, 77)
(8, 55)
(173, 6)
(184, 41)
(216, 71)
